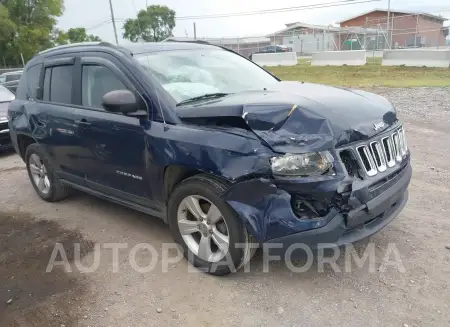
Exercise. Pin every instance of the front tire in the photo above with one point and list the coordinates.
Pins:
(42, 176)
(208, 230)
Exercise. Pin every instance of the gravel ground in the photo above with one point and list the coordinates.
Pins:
(121, 296)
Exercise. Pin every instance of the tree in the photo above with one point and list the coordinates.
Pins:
(153, 24)
(7, 31)
(73, 35)
(59, 37)
(26, 27)
(79, 34)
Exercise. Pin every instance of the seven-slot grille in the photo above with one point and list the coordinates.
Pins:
(379, 155)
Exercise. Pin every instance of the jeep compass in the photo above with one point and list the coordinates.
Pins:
(221, 150)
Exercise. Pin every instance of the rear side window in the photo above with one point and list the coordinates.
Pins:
(32, 77)
(58, 84)
(29, 84)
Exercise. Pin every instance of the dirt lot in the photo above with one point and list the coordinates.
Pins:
(419, 296)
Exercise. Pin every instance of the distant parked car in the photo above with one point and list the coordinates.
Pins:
(12, 86)
(6, 97)
(10, 76)
(11, 80)
(272, 49)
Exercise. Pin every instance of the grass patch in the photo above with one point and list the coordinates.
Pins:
(372, 74)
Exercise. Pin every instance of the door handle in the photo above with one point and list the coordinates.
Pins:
(83, 122)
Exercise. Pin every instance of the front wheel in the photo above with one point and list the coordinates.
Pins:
(208, 230)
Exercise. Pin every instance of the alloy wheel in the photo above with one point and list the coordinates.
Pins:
(39, 174)
(203, 228)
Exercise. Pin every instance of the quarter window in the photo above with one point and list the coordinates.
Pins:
(96, 82)
(29, 84)
(32, 78)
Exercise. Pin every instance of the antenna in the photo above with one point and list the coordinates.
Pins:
(157, 93)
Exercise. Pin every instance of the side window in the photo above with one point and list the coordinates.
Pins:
(12, 77)
(29, 83)
(61, 84)
(58, 84)
(32, 76)
(96, 82)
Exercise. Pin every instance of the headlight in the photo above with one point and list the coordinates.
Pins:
(307, 164)
(3, 119)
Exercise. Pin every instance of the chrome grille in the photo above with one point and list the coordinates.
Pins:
(384, 153)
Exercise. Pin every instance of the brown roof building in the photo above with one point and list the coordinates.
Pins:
(405, 28)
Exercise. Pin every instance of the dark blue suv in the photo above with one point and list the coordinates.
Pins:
(221, 150)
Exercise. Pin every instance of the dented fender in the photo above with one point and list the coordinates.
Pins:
(266, 210)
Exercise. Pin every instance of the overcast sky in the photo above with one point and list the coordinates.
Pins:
(88, 13)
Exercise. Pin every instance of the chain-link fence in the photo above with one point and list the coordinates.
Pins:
(374, 34)
(11, 65)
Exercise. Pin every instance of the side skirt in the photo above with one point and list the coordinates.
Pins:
(125, 203)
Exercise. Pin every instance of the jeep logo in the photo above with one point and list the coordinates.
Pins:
(378, 126)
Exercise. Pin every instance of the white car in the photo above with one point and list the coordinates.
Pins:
(6, 97)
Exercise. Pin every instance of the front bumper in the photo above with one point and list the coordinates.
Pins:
(266, 211)
(373, 216)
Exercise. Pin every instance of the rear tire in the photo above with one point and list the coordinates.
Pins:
(42, 176)
(198, 216)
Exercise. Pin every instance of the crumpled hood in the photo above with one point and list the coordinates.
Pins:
(294, 117)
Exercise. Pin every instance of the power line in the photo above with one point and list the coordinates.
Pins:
(99, 24)
(279, 10)
(251, 13)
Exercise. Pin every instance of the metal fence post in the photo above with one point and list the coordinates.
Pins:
(417, 28)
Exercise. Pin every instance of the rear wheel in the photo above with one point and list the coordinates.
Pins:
(42, 176)
(208, 230)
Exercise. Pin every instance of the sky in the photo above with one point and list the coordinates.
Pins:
(90, 13)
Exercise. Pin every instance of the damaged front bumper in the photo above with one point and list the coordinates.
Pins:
(353, 210)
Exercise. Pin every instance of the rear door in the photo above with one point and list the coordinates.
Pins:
(113, 144)
(51, 116)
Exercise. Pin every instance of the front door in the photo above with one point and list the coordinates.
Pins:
(113, 144)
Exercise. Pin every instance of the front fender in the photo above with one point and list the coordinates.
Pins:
(266, 210)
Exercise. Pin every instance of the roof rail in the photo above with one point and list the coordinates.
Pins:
(188, 41)
(65, 46)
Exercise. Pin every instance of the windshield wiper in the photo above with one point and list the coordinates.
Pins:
(203, 97)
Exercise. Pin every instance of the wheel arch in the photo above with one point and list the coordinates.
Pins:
(23, 141)
(175, 174)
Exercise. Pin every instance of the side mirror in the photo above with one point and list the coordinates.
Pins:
(123, 101)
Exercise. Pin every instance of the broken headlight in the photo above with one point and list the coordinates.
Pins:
(306, 164)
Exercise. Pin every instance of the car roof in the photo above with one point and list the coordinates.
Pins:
(137, 48)
(132, 48)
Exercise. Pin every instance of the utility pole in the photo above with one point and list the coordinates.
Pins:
(388, 25)
(113, 21)
(195, 32)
